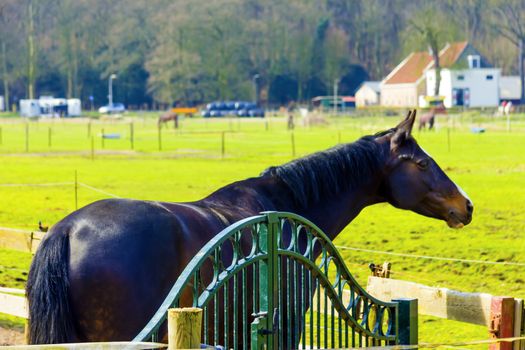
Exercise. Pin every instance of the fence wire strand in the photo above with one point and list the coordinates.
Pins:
(428, 257)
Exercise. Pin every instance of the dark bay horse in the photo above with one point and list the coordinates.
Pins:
(102, 272)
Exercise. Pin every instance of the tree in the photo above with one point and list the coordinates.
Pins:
(9, 17)
(425, 26)
(31, 49)
(509, 22)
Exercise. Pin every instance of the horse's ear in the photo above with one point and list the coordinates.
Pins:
(403, 130)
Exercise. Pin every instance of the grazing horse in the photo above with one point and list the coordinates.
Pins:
(430, 116)
(166, 117)
(427, 118)
(101, 272)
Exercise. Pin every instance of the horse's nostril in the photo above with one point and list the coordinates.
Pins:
(470, 207)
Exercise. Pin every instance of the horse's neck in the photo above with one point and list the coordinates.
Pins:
(333, 214)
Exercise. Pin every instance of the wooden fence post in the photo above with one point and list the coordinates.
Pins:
(184, 328)
(407, 321)
(159, 136)
(27, 137)
(223, 144)
(518, 324)
(92, 147)
(76, 190)
(293, 144)
(131, 135)
(501, 322)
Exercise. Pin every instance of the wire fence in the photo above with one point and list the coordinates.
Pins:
(211, 138)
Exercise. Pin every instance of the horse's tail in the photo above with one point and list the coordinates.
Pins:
(50, 314)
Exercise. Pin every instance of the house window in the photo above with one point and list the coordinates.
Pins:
(489, 77)
(461, 77)
(474, 61)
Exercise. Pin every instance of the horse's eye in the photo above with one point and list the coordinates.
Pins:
(423, 164)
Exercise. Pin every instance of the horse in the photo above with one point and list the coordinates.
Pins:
(429, 118)
(101, 272)
(168, 116)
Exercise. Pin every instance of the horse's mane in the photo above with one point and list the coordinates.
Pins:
(328, 172)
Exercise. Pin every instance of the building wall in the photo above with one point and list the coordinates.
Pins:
(483, 92)
(366, 96)
(510, 87)
(399, 95)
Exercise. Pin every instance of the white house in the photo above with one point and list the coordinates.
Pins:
(467, 79)
(510, 88)
(368, 94)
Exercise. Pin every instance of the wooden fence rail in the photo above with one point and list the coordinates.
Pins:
(22, 240)
(503, 316)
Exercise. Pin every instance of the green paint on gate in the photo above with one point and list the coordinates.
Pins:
(256, 280)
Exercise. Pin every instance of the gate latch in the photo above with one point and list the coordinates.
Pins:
(275, 326)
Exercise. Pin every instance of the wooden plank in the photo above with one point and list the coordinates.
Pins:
(345, 298)
(91, 346)
(439, 302)
(502, 322)
(12, 291)
(25, 241)
(518, 324)
(13, 305)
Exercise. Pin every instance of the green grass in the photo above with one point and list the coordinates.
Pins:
(490, 167)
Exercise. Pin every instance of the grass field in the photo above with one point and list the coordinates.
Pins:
(489, 166)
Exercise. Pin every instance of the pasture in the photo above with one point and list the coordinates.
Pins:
(37, 183)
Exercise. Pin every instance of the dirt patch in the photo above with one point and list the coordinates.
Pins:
(11, 337)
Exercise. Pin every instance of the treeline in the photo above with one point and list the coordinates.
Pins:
(190, 51)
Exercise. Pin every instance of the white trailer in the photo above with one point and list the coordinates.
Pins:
(48, 106)
(29, 108)
(74, 107)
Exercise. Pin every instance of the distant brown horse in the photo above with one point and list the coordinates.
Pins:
(427, 118)
(430, 116)
(166, 117)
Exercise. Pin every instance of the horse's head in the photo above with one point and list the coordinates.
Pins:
(414, 181)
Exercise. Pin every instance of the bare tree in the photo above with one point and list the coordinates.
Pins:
(509, 22)
(426, 26)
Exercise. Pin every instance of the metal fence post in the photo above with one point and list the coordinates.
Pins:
(407, 319)
(264, 325)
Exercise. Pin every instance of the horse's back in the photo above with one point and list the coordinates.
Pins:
(124, 254)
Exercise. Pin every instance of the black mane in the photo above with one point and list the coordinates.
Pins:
(331, 171)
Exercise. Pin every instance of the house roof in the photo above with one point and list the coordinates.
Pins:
(450, 54)
(410, 70)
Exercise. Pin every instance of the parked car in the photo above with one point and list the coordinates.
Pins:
(113, 108)
(232, 108)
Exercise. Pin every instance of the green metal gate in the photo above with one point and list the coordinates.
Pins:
(260, 286)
